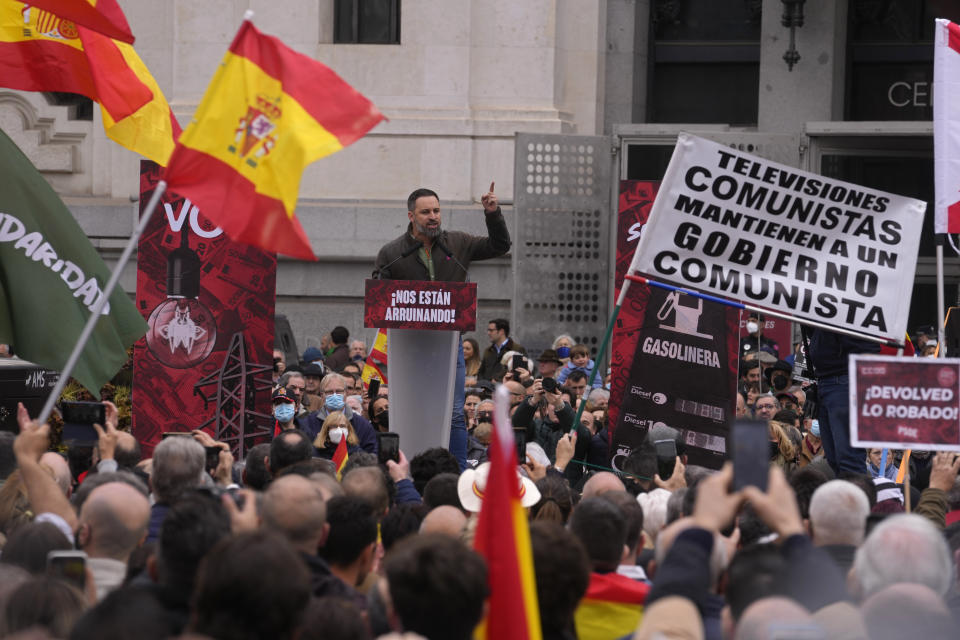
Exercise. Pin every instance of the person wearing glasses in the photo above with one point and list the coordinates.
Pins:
(334, 389)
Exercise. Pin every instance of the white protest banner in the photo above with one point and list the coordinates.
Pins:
(905, 403)
(741, 227)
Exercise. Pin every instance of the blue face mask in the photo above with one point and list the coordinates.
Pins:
(284, 412)
(334, 402)
(563, 352)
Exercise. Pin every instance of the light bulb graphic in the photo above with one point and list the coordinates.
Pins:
(182, 329)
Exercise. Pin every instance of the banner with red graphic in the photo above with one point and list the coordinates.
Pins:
(674, 357)
(206, 360)
(420, 304)
(905, 403)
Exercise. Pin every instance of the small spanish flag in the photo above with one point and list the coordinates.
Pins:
(612, 607)
(503, 539)
(376, 362)
(340, 456)
(268, 113)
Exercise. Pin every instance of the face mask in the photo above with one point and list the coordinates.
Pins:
(563, 352)
(284, 412)
(334, 402)
(357, 358)
(384, 419)
(752, 327)
(336, 435)
(779, 383)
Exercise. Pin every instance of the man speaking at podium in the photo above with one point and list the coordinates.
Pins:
(427, 252)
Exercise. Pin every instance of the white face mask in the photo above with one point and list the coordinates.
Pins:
(336, 435)
(752, 327)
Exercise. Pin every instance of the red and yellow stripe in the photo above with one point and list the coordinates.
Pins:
(375, 359)
(612, 607)
(267, 114)
(503, 538)
(40, 51)
(340, 456)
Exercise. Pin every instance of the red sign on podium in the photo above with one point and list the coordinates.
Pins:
(420, 304)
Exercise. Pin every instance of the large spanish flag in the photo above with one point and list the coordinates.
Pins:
(40, 51)
(503, 538)
(267, 114)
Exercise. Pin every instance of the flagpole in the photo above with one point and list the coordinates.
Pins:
(600, 353)
(101, 303)
(941, 314)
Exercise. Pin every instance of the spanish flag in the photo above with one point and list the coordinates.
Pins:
(39, 51)
(340, 456)
(503, 539)
(376, 359)
(612, 607)
(103, 16)
(267, 114)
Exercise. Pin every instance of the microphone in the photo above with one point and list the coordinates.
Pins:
(439, 245)
(379, 272)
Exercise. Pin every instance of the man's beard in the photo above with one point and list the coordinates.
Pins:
(426, 231)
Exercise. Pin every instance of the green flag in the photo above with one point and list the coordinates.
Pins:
(51, 277)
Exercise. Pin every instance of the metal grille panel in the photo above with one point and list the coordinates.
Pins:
(562, 253)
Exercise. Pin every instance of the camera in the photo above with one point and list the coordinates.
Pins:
(549, 385)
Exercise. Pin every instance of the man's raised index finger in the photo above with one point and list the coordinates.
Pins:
(491, 187)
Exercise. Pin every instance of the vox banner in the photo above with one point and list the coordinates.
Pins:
(209, 304)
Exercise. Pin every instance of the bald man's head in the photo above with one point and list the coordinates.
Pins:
(113, 521)
(601, 483)
(293, 506)
(905, 609)
(446, 520)
(776, 618)
(61, 471)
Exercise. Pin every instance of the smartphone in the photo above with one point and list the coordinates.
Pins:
(78, 420)
(520, 438)
(751, 454)
(666, 457)
(549, 385)
(388, 447)
(373, 388)
(519, 362)
(70, 566)
(175, 434)
(213, 457)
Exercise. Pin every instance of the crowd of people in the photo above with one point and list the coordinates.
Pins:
(295, 540)
(279, 544)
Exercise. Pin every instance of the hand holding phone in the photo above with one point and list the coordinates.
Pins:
(373, 389)
(388, 447)
(666, 457)
(751, 453)
(78, 421)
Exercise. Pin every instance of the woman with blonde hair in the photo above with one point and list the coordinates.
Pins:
(783, 452)
(335, 428)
